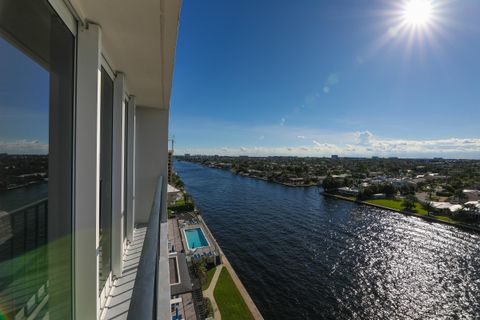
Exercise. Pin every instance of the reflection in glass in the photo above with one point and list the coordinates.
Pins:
(36, 94)
(106, 133)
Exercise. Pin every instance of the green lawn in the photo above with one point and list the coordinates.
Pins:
(229, 299)
(210, 274)
(180, 202)
(397, 205)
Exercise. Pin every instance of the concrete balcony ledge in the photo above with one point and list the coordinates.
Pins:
(118, 302)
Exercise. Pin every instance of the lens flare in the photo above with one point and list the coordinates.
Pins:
(418, 12)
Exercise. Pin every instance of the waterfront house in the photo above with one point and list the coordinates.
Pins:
(172, 194)
(96, 248)
(472, 195)
(296, 181)
(348, 191)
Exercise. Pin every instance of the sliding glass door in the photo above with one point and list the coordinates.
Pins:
(125, 169)
(36, 139)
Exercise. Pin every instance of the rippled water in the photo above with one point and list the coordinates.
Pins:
(303, 256)
(16, 198)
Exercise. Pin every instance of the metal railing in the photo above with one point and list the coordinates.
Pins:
(23, 229)
(24, 233)
(143, 304)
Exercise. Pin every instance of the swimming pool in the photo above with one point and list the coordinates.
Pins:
(195, 238)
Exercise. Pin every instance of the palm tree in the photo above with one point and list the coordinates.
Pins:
(460, 195)
(427, 205)
(409, 202)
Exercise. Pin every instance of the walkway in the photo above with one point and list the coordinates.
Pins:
(209, 293)
(246, 297)
(119, 300)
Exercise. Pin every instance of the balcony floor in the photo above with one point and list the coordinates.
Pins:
(118, 301)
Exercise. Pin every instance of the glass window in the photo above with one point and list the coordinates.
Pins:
(36, 108)
(106, 136)
(125, 169)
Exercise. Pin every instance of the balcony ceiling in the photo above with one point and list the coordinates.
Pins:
(139, 39)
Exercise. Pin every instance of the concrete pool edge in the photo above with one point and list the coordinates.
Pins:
(186, 238)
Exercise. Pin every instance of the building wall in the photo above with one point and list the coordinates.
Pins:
(151, 158)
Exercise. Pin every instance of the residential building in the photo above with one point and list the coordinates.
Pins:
(348, 191)
(105, 71)
(472, 195)
(172, 194)
(170, 166)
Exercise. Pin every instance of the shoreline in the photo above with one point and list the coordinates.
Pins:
(427, 218)
(340, 197)
(257, 178)
(241, 288)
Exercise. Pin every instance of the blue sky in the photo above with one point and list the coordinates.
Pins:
(325, 77)
(24, 103)
(306, 77)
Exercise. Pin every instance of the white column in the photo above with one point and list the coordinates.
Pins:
(131, 168)
(117, 174)
(87, 172)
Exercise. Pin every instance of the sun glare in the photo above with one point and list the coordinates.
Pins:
(418, 12)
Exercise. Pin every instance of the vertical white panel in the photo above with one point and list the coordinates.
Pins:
(151, 158)
(117, 174)
(87, 172)
(131, 168)
(151, 161)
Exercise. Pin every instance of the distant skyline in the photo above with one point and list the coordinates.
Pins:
(315, 78)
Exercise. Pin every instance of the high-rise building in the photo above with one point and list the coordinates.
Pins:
(104, 73)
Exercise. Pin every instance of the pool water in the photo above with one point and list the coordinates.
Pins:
(195, 238)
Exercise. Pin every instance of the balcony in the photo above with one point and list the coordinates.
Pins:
(143, 290)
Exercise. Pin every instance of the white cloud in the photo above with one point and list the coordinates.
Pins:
(365, 145)
(282, 121)
(301, 137)
(364, 138)
(23, 147)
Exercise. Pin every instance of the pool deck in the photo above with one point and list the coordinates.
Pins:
(184, 300)
(191, 221)
(186, 225)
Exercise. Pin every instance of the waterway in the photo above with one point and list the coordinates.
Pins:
(304, 256)
(16, 198)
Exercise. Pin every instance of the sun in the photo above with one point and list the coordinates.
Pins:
(418, 12)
